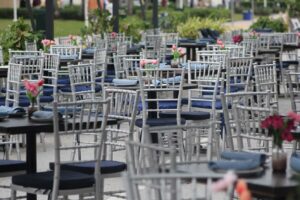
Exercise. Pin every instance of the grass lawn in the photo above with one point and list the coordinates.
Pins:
(61, 27)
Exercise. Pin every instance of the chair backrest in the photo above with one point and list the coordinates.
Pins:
(213, 56)
(64, 40)
(65, 51)
(88, 122)
(270, 40)
(20, 53)
(250, 135)
(119, 64)
(295, 23)
(251, 46)
(255, 99)
(122, 48)
(99, 42)
(170, 186)
(1, 56)
(290, 38)
(266, 80)
(113, 40)
(82, 79)
(155, 159)
(238, 74)
(30, 46)
(49, 72)
(131, 65)
(294, 90)
(160, 82)
(100, 66)
(13, 84)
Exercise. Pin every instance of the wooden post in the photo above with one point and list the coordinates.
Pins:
(155, 13)
(49, 19)
(116, 15)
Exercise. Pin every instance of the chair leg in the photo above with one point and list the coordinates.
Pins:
(13, 194)
(42, 141)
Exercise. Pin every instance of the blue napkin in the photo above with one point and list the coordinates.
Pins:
(89, 50)
(10, 110)
(233, 165)
(68, 57)
(172, 80)
(194, 66)
(163, 66)
(257, 157)
(295, 162)
(43, 115)
(128, 82)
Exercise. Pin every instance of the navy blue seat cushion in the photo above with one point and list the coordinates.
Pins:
(236, 88)
(158, 122)
(193, 115)
(207, 104)
(44, 180)
(106, 167)
(109, 79)
(63, 80)
(46, 99)
(162, 105)
(12, 165)
(287, 63)
(47, 91)
(110, 72)
(80, 88)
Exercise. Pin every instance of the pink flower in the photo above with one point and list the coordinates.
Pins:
(113, 34)
(52, 42)
(224, 183)
(220, 42)
(294, 116)
(154, 62)
(298, 34)
(72, 37)
(142, 62)
(40, 82)
(174, 47)
(46, 42)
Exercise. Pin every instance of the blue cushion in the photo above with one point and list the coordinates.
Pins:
(207, 104)
(196, 115)
(47, 91)
(286, 64)
(110, 72)
(24, 102)
(124, 82)
(107, 167)
(46, 99)
(108, 79)
(80, 88)
(295, 162)
(236, 88)
(68, 57)
(162, 105)
(12, 165)
(89, 50)
(63, 81)
(44, 180)
(158, 122)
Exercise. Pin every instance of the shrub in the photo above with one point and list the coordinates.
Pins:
(71, 12)
(276, 25)
(133, 26)
(15, 35)
(190, 29)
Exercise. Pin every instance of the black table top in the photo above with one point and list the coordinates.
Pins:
(263, 183)
(25, 125)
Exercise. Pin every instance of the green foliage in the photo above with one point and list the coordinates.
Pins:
(100, 22)
(276, 25)
(8, 13)
(294, 8)
(15, 35)
(190, 29)
(71, 12)
(133, 26)
(214, 13)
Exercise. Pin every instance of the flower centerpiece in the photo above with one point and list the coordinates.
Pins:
(221, 44)
(254, 35)
(148, 63)
(280, 129)
(237, 39)
(73, 40)
(46, 44)
(176, 54)
(33, 89)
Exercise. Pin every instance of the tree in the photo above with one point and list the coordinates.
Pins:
(130, 7)
(29, 9)
(143, 9)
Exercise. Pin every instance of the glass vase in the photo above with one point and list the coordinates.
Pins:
(31, 109)
(279, 159)
(175, 63)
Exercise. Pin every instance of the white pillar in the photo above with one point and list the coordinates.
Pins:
(15, 10)
(86, 12)
(265, 3)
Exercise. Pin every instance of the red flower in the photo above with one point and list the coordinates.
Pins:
(40, 82)
(113, 34)
(277, 122)
(237, 39)
(294, 116)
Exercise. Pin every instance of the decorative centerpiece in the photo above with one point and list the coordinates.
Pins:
(46, 44)
(221, 44)
(254, 35)
(237, 39)
(73, 40)
(280, 128)
(148, 63)
(33, 89)
(176, 54)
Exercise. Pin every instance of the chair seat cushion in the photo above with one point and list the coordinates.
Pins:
(44, 180)
(109, 79)
(46, 99)
(12, 165)
(193, 115)
(162, 105)
(287, 63)
(158, 122)
(207, 104)
(107, 167)
(80, 88)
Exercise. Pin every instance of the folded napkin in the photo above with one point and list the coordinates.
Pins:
(68, 57)
(194, 66)
(43, 115)
(10, 110)
(89, 50)
(257, 157)
(186, 40)
(163, 66)
(128, 82)
(295, 162)
(172, 80)
(233, 165)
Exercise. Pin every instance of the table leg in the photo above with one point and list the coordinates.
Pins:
(31, 158)
(152, 114)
